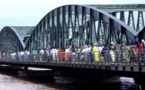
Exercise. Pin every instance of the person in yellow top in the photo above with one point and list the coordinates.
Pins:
(96, 52)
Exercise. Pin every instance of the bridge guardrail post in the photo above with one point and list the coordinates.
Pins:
(109, 57)
(105, 58)
(121, 56)
(130, 55)
(139, 57)
(99, 58)
(116, 57)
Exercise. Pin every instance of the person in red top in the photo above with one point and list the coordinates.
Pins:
(60, 54)
(142, 51)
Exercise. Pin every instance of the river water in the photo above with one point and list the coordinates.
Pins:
(12, 83)
(9, 81)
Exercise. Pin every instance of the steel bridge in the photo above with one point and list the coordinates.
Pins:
(79, 25)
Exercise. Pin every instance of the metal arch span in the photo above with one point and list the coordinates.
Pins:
(110, 8)
(76, 24)
(132, 14)
(18, 36)
(118, 22)
(10, 40)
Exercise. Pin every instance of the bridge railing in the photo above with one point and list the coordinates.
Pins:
(121, 57)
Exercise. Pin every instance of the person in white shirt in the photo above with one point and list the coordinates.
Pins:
(42, 51)
(143, 42)
(54, 53)
(42, 54)
(22, 55)
(100, 48)
(26, 55)
(13, 56)
(49, 55)
(112, 52)
(85, 52)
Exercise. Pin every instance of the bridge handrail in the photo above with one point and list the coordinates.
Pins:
(115, 57)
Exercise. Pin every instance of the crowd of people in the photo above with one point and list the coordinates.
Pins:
(87, 53)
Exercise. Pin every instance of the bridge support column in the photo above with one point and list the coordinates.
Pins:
(140, 80)
(25, 68)
(84, 77)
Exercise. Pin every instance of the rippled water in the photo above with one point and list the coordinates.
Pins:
(11, 83)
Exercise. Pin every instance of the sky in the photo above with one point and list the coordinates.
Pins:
(30, 12)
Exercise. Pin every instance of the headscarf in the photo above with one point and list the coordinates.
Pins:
(136, 39)
(95, 44)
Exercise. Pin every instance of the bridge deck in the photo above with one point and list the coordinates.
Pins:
(96, 66)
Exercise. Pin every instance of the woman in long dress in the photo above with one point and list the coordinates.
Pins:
(60, 54)
(96, 52)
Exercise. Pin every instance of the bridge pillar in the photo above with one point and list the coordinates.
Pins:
(84, 77)
(140, 80)
(25, 68)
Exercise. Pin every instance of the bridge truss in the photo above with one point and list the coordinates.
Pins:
(79, 25)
